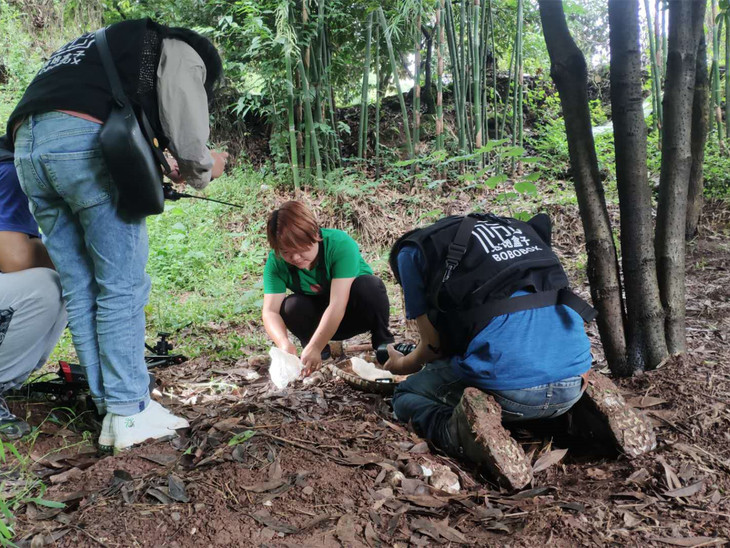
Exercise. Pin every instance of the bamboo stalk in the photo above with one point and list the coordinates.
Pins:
(727, 76)
(362, 142)
(417, 78)
(656, 91)
(394, 66)
(290, 113)
(456, 74)
(439, 76)
(463, 76)
(495, 93)
(377, 103)
(716, 107)
(309, 122)
(476, 94)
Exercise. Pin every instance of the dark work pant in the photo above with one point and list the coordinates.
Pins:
(367, 309)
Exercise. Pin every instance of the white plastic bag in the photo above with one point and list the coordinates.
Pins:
(284, 367)
(368, 371)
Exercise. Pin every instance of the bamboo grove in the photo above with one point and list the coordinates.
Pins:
(718, 25)
(455, 70)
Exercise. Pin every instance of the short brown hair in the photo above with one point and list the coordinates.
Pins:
(292, 226)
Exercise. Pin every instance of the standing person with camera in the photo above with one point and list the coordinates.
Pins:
(32, 315)
(335, 294)
(169, 75)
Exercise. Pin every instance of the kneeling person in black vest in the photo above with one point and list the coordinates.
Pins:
(502, 338)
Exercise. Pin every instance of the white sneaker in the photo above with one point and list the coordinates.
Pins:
(155, 422)
(106, 438)
(175, 422)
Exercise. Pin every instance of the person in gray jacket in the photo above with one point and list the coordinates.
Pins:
(170, 75)
(32, 315)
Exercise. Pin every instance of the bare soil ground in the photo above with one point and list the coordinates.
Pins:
(326, 465)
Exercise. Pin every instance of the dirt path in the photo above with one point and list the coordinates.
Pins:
(325, 465)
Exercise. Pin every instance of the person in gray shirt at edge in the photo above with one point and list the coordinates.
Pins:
(170, 74)
(32, 315)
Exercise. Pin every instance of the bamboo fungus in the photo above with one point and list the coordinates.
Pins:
(309, 122)
(362, 142)
(394, 66)
(439, 75)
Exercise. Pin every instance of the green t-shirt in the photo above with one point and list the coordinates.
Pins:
(342, 259)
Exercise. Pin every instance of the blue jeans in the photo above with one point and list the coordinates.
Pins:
(428, 398)
(100, 257)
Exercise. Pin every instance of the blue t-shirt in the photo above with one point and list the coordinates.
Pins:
(15, 213)
(518, 350)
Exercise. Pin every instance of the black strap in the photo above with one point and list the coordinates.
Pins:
(120, 98)
(111, 71)
(484, 313)
(457, 247)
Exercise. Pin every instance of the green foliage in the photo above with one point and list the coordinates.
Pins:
(243, 437)
(200, 255)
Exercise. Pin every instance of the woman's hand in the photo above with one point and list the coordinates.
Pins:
(311, 359)
(289, 348)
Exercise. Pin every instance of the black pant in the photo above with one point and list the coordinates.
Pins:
(367, 309)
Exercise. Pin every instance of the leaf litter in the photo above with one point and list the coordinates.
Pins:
(326, 465)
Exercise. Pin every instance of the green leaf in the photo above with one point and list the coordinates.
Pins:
(530, 160)
(5, 531)
(404, 163)
(43, 502)
(532, 177)
(514, 152)
(434, 184)
(524, 187)
(523, 216)
(241, 438)
(495, 180)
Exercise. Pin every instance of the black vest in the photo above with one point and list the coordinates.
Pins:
(73, 78)
(473, 267)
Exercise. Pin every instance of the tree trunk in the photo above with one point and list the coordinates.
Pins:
(569, 72)
(427, 94)
(685, 25)
(700, 124)
(647, 346)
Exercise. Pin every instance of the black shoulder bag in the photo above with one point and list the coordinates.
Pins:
(132, 156)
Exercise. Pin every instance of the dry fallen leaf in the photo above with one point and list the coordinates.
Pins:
(685, 491)
(691, 541)
(547, 460)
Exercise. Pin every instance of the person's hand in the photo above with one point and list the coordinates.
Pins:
(395, 360)
(220, 159)
(311, 359)
(289, 348)
(174, 174)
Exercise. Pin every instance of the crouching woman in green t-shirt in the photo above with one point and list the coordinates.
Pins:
(335, 295)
